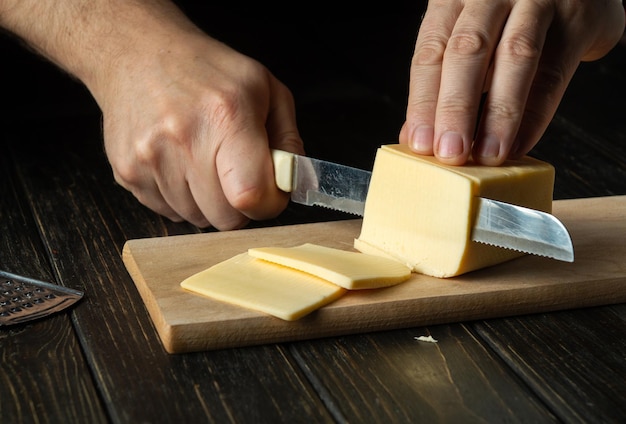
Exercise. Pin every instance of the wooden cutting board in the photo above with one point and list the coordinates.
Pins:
(188, 322)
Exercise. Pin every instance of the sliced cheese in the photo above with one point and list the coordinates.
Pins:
(350, 270)
(263, 286)
(421, 212)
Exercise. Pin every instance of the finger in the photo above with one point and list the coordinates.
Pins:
(282, 130)
(152, 199)
(425, 75)
(241, 185)
(252, 189)
(149, 195)
(156, 171)
(515, 64)
(246, 175)
(464, 72)
(555, 71)
(174, 188)
(134, 177)
(206, 189)
(566, 44)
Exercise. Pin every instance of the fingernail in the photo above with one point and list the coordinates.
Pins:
(422, 141)
(450, 145)
(489, 146)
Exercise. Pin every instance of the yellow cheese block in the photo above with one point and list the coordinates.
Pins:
(421, 212)
(263, 286)
(350, 270)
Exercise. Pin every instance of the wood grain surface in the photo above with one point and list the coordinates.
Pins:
(188, 322)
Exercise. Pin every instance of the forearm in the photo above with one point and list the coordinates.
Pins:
(90, 39)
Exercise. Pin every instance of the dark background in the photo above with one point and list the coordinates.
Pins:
(348, 71)
(347, 68)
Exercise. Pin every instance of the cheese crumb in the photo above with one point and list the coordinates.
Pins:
(428, 339)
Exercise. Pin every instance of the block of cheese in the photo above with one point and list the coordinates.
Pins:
(421, 212)
(350, 270)
(264, 286)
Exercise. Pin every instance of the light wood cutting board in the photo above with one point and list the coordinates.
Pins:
(187, 322)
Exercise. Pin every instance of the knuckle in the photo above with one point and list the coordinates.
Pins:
(468, 42)
(502, 111)
(290, 140)
(454, 106)
(429, 51)
(147, 148)
(419, 105)
(146, 155)
(248, 198)
(225, 103)
(520, 47)
(126, 173)
(550, 80)
(223, 106)
(540, 116)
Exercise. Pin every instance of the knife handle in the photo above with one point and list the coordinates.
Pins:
(283, 169)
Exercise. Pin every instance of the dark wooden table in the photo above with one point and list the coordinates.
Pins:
(63, 219)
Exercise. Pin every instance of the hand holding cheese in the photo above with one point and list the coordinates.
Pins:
(518, 55)
(421, 212)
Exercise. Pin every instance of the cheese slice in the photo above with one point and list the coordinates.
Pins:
(421, 212)
(350, 270)
(263, 286)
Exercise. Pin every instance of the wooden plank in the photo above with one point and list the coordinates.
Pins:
(44, 377)
(392, 377)
(188, 322)
(573, 360)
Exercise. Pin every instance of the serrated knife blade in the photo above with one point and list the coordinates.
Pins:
(523, 229)
(316, 182)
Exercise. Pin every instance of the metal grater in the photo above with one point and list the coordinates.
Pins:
(23, 299)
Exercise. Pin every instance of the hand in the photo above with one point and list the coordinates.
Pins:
(188, 128)
(522, 53)
(188, 122)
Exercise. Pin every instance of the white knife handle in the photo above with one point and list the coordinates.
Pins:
(283, 169)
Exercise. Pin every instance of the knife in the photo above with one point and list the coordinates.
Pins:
(316, 182)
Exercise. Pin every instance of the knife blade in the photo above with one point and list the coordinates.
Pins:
(315, 182)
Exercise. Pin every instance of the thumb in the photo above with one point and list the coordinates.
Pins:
(246, 169)
(282, 129)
